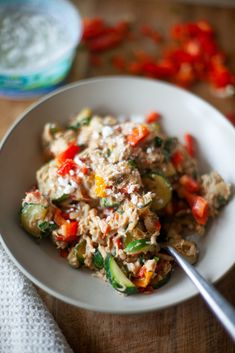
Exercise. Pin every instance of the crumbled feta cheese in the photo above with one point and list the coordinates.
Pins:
(73, 183)
(63, 181)
(69, 189)
(95, 135)
(134, 199)
(50, 184)
(149, 150)
(71, 172)
(60, 189)
(130, 188)
(78, 161)
(150, 265)
(107, 131)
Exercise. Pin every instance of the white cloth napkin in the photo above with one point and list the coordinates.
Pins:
(26, 326)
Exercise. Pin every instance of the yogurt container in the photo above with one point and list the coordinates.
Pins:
(38, 40)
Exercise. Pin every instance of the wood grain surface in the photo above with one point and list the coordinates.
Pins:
(185, 328)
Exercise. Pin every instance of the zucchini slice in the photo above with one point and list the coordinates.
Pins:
(107, 203)
(80, 251)
(117, 278)
(82, 119)
(76, 255)
(47, 228)
(98, 260)
(127, 239)
(158, 184)
(138, 246)
(31, 216)
(60, 199)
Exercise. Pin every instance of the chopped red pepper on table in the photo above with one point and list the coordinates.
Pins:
(190, 53)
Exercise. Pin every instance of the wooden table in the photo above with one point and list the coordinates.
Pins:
(185, 328)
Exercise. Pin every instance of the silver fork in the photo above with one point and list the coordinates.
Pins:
(224, 311)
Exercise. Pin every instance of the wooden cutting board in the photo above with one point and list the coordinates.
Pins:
(185, 328)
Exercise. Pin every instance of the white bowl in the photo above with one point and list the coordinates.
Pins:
(20, 157)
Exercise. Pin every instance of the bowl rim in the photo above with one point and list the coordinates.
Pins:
(62, 53)
(27, 273)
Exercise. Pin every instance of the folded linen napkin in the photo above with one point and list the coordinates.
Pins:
(26, 326)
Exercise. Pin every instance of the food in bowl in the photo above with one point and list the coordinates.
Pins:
(114, 191)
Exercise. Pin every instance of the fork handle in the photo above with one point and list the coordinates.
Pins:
(224, 311)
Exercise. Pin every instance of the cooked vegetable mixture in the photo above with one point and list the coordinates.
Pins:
(114, 191)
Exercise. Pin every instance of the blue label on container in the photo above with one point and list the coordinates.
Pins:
(41, 81)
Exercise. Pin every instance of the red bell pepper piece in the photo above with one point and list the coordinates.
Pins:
(122, 28)
(69, 153)
(84, 170)
(190, 144)
(58, 218)
(209, 47)
(120, 243)
(107, 230)
(141, 272)
(138, 134)
(153, 117)
(65, 168)
(193, 48)
(166, 68)
(69, 230)
(158, 225)
(200, 210)
(220, 77)
(199, 207)
(185, 75)
(189, 183)
(104, 42)
(177, 158)
(205, 27)
(178, 31)
(179, 56)
(92, 28)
